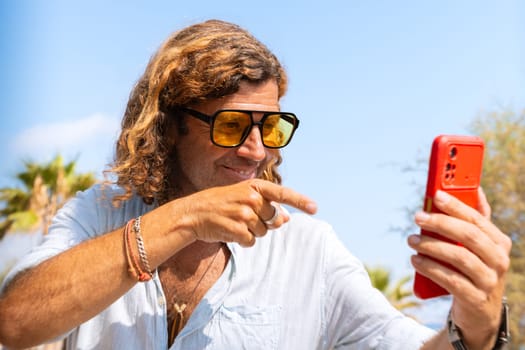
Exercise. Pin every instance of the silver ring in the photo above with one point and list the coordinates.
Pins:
(273, 219)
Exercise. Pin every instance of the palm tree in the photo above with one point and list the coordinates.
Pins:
(46, 187)
(400, 296)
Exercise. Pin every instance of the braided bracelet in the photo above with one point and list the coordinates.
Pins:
(133, 264)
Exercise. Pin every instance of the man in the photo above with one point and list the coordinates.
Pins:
(191, 248)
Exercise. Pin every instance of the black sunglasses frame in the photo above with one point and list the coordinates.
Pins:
(210, 119)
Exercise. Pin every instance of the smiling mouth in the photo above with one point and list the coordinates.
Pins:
(243, 173)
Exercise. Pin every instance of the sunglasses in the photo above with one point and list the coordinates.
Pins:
(230, 127)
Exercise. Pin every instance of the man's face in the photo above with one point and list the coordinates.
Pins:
(202, 165)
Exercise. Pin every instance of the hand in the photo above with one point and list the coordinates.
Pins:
(482, 262)
(236, 213)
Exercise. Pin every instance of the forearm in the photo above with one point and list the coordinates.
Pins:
(72, 287)
(64, 291)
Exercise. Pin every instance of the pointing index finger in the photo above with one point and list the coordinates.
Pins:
(277, 193)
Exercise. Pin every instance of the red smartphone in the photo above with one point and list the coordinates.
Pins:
(455, 167)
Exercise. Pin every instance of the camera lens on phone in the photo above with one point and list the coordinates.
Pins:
(453, 152)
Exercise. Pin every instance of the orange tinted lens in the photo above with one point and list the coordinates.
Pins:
(277, 130)
(229, 127)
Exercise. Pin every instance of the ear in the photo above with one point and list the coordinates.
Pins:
(175, 126)
(182, 126)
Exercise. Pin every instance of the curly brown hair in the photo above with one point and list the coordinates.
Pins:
(201, 62)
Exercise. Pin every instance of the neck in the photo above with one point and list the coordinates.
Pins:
(186, 262)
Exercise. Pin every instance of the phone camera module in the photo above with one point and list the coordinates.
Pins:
(453, 152)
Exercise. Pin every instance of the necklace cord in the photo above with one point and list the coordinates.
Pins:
(179, 308)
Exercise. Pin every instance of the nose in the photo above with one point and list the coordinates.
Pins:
(253, 147)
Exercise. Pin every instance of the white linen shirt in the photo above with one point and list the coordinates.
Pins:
(296, 288)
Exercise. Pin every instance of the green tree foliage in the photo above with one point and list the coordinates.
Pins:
(398, 294)
(504, 184)
(45, 188)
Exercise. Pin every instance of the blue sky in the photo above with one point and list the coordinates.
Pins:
(372, 82)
